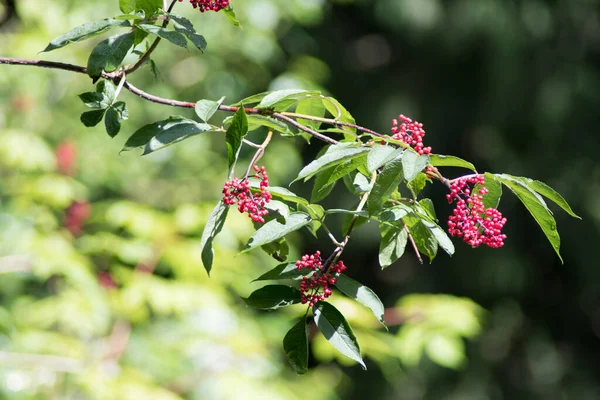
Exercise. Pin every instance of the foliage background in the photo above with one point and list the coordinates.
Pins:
(513, 86)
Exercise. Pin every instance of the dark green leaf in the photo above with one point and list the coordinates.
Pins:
(538, 209)
(95, 100)
(181, 22)
(393, 243)
(321, 188)
(92, 118)
(185, 27)
(380, 155)
(284, 271)
(211, 230)
(271, 297)
(362, 294)
(85, 31)
(387, 181)
(413, 164)
(312, 106)
(335, 154)
(159, 134)
(114, 115)
(274, 230)
(438, 160)
(235, 133)
(337, 331)
(295, 345)
(230, 14)
(109, 54)
(172, 36)
(205, 109)
(550, 194)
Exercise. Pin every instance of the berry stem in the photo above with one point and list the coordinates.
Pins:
(259, 153)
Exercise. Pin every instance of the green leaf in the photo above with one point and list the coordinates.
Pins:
(284, 271)
(492, 198)
(181, 22)
(114, 115)
(346, 168)
(337, 331)
(339, 113)
(184, 26)
(387, 181)
(256, 121)
(316, 212)
(273, 230)
(235, 133)
(160, 134)
(438, 160)
(312, 106)
(95, 100)
(109, 54)
(107, 89)
(413, 164)
(393, 243)
(92, 118)
(381, 155)
(278, 208)
(279, 249)
(550, 194)
(174, 37)
(446, 350)
(150, 7)
(335, 154)
(424, 239)
(279, 193)
(155, 71)
(295, 345)
(440, 235)
(127, 6)
(281, 100)
(321, 189)
(271, 297)
(362, 294)
(537, 208)
(417, 185)
(427, 208)
(205, 109)
(211, 230)
(85, 31)
(230, 14)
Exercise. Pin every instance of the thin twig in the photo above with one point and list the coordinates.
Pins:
(304, 128)
(414, 245)
(333, 122)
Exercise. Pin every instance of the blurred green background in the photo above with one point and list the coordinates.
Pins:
(102, 291)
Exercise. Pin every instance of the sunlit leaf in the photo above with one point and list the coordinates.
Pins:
(413, 164)
(392, 245)
(274, 230)
(550, 194)
(211, 230)
(205, 109)
(335, 154)
(438, 160)
(385, 184)
(174, 37)
(362, 294)
(85, 31)
(312, 106)
(109, 54)
(235, 133)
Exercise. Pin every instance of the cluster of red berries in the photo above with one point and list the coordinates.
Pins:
(209, 5)
(410, 132)
(471, 220)
(238, 191)
(321, 279)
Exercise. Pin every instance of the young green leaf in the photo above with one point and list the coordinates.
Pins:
(494, 187)
(336, 154)
(537, 209)
(339, 113)
(393, 243)
(282, 99)
(205, 109)
(85, 31)
(160, 134)
(312, 106)
(230, 14)
(337, 331)
(279, 193)
(174, 37)
(438, 160)
(271, 297)
(550, 194)
(211, 230)
(114, 115)
(127, 6)
(413, 164)
(284, 271)
(362, 294)
(235, 133)
(385, 184)
(150, 7)
(92, 118)
(424, 239)
(380, 155)
(109, 54)
(295, 345)
(274, 230)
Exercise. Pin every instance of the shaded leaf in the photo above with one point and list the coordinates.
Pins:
(235, 133)
(85, 31)
(213, 226)
(114, 115)
(362, 294)
(109, 54)
(284, 271)
(274, 230)
(174, 37)
(337, 331)
(295, 345)
(92, 118)
(271, 297)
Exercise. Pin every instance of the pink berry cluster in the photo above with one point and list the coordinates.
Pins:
(253, 203)
(209, 5)
(321, 279)
(410, 132)
(471, 220)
